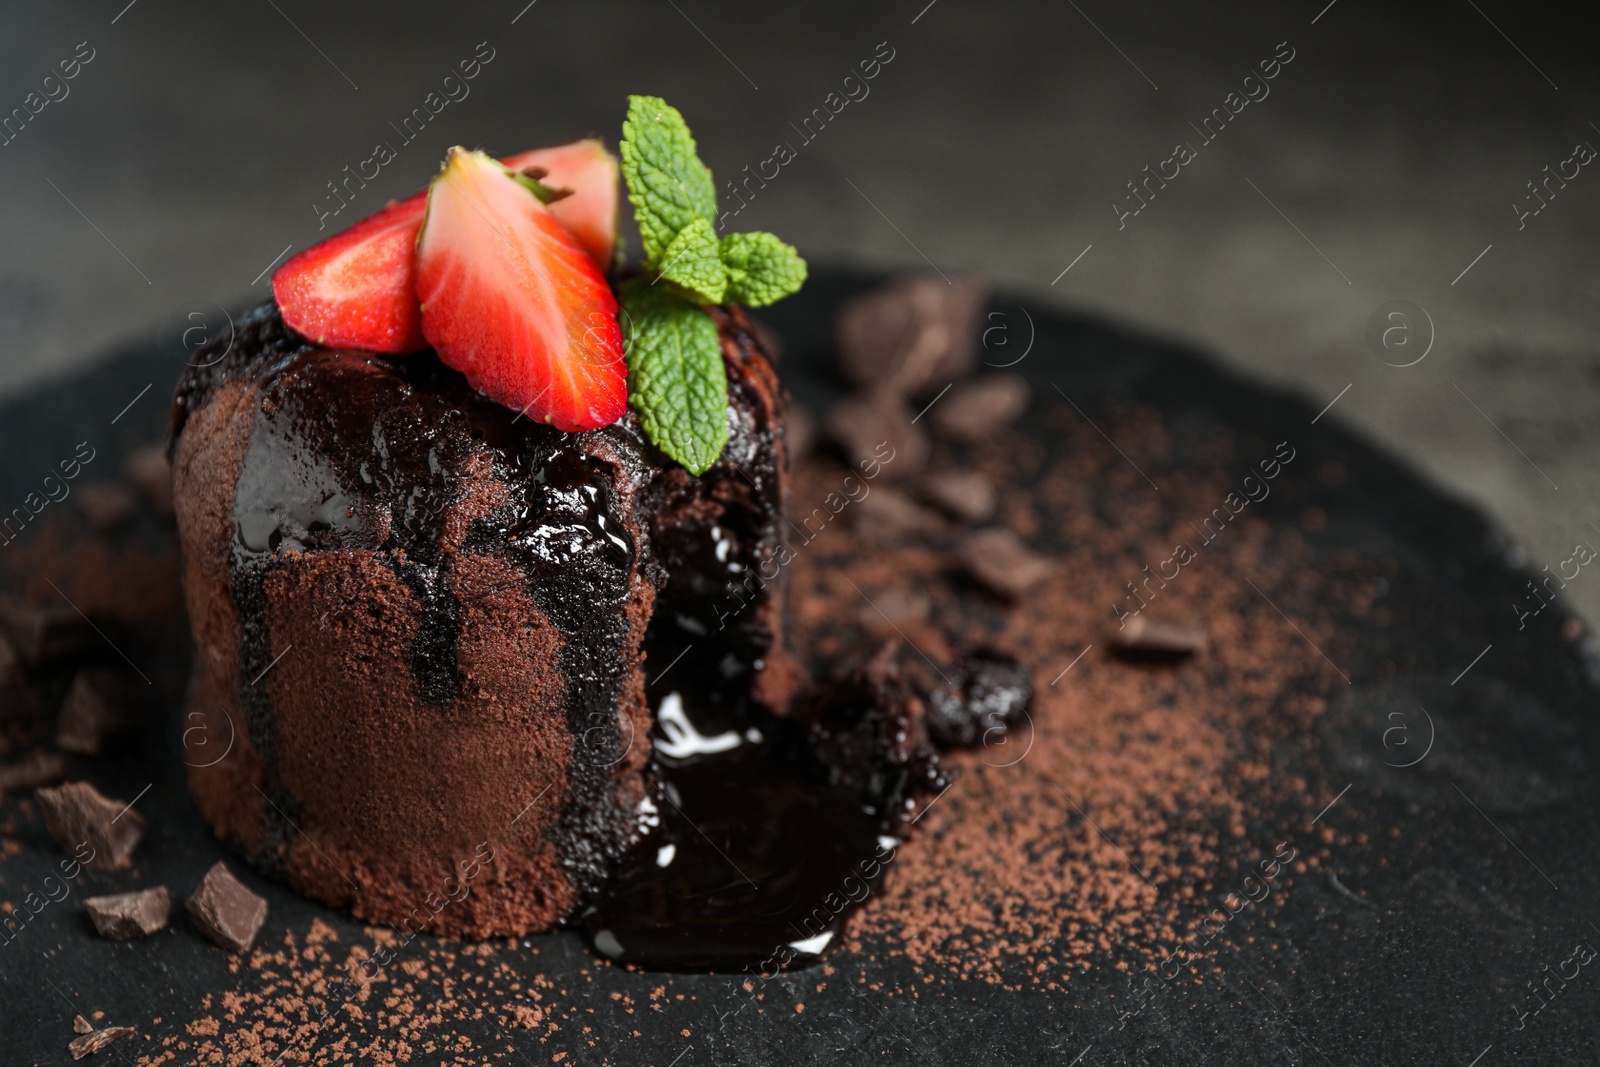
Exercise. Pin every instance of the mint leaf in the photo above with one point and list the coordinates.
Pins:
(667, 184)
(761, 269)
(693, 263)
(676, 380)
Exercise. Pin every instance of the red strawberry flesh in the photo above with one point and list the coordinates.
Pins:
(357, 289)
(512, 300)
(586, 168)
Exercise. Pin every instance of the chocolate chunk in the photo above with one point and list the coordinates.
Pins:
(151, 473)
(106, 504)
(77, 815)
(910, 336)
(977, 700)
(966, 495)
(41, 634)
(1143, 637)
(885, 514)
(80, 1025)
(877, 435)
(122, 916)
(225, 910)
(90, 1043)
(98, 706)
(974, 411)
(39, 769)
(1000, 561)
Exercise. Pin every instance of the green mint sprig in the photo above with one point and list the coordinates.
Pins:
(676, 380)
(674, 354)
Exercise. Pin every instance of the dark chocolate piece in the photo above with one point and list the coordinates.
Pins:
(98, 706)
(77, 815)
(42, 634)
(38, 769)
(885, 514)
(973, 411)
(93, 1042)
(1144, 637)
(122, 916)
(877, 435)
(967, 495)
(911, 336)
(225, 910)
(998, 559)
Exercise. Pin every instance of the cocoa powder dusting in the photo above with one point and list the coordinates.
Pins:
(1108, 837)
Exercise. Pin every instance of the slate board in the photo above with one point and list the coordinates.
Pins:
(1424, 970)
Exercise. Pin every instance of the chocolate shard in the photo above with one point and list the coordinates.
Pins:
(39, 769)
(1144, 637)
(910, 336)
(878, 435)
(885, 514)
(41, 634)
(123, 916)
(98, 707)
(106, 504)
(225, 910)
(151, 473)
(976, 410)
(93, 1042)
(966, 495)
(77, 816)
(999, 560)
(80, 1025)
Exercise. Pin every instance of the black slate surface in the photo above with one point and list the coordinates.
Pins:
(1419, 949)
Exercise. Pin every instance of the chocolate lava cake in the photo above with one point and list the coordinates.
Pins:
(447, 498)
(424, 620)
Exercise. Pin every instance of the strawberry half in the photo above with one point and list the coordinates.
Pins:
(511, 299)
(357, 289)
(586, 168)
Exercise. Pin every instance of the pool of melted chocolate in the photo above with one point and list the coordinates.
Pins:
(756, 857)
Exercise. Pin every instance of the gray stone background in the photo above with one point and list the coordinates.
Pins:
(1387, 158)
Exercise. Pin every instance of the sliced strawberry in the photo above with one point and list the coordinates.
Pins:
(357, 289)
(590, 172)
(511, 299)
